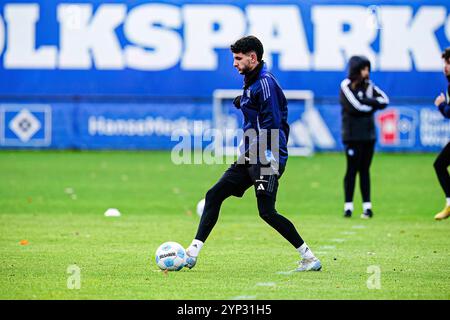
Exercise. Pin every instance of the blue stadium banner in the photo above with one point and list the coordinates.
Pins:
(181, 48)
(152, 126)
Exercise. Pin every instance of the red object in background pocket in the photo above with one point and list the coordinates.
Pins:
(388, 125)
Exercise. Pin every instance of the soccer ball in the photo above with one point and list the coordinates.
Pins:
(200, 207)
(170, 256)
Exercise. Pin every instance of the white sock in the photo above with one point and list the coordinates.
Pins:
(195, 247)
(367, 206)
(348, 206)
(305, 252)
(448, 201)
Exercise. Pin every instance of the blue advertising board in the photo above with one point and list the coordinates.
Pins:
(155, 126)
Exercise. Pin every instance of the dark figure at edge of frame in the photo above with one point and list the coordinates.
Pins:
(443, 159)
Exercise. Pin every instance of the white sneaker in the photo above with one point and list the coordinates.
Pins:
(309, 265)
(190, 260)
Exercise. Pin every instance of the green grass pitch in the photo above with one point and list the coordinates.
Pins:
(56, 201)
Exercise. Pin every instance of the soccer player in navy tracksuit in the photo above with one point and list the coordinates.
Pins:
(264, 107)
(360, 98)
(443, 160)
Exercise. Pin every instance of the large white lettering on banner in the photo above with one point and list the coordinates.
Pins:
(159, 36)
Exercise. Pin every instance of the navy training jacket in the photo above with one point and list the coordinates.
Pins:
(264, 106)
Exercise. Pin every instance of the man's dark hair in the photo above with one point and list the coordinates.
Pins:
(446, 54)
(248, 44)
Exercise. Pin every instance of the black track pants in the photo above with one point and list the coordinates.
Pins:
(440, 166)
(235, 181)
(359, 156)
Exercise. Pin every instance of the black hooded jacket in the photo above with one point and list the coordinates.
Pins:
(359, 103)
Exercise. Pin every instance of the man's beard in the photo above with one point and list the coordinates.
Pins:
(245, 71)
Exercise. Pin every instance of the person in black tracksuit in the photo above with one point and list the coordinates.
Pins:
(360, 98)
(443, 160)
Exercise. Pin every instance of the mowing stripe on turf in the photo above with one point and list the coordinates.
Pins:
(265, 284)
(348, 233)
(324, 248)
(327, 247)
(285, 272)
